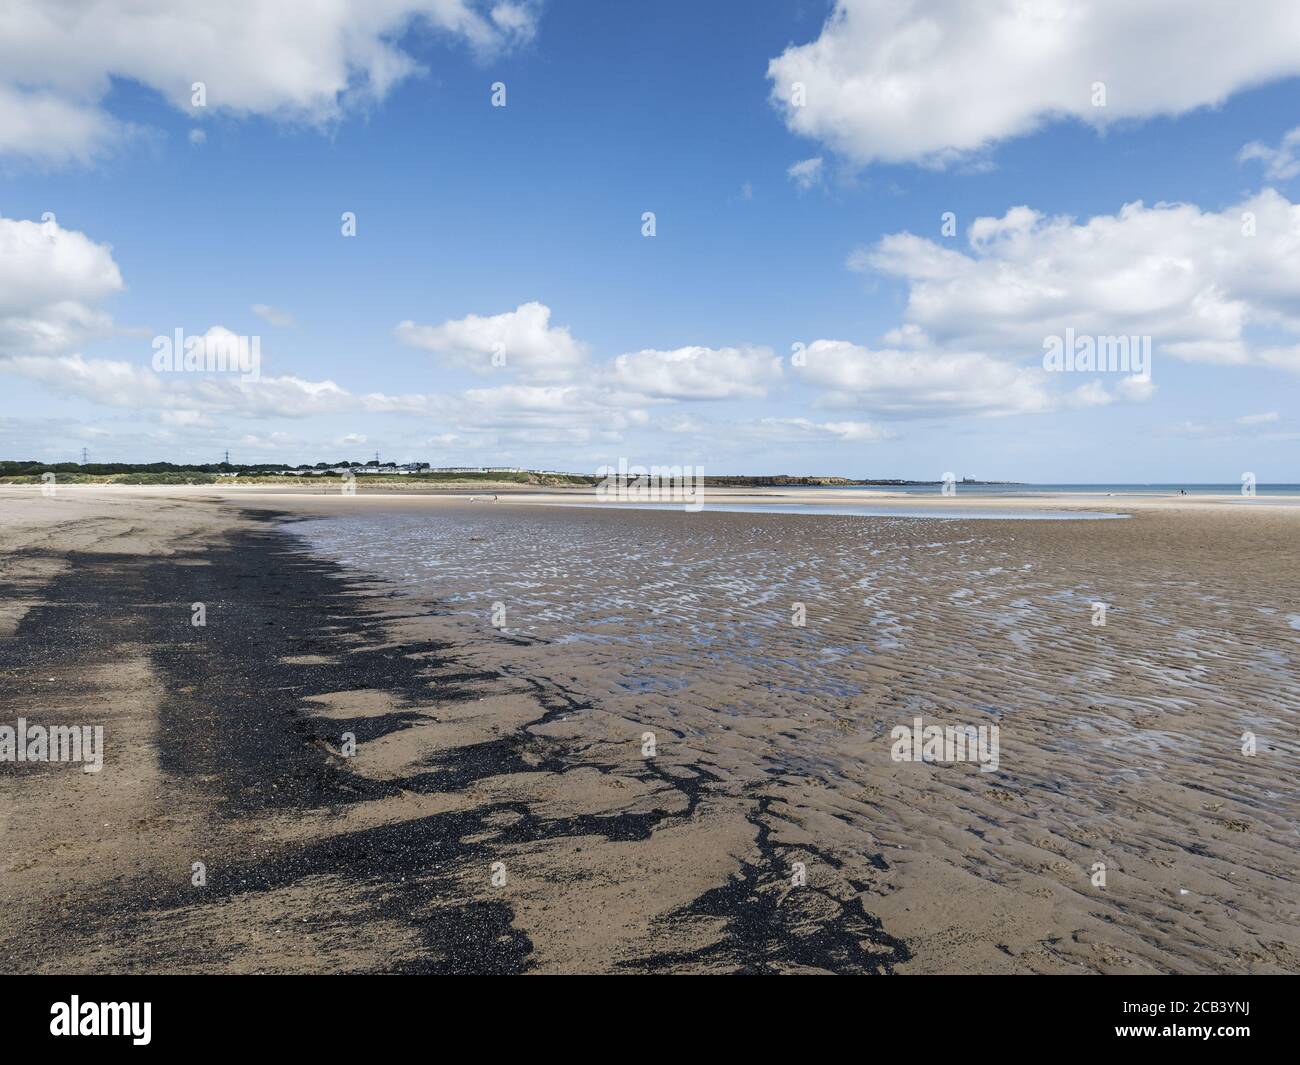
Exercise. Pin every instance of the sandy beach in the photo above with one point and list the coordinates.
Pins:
(420, 733)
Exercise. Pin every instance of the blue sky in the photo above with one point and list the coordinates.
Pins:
(922, 351)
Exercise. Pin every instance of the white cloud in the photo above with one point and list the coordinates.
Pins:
(798, 430)
(550, 406)
(117, 383)
(269, 442)
(520, 413)
(1191, 280)
(301, 60)
(1281, 163)
(184, 419)
(517, 20)
(681, 422)
(1136, 388)
(935, 80)
(1202, 285)
(760, 434)
(1249, 427)
(1284, 358)
(555, 396)
(274, 316)
(50, 129)
(531, 399)
(522, 341)
(52, 281)
(916, 383)
(806, 173)
(696, 373)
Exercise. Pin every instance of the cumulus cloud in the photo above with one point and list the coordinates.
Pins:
(519, 413)
(1203, 286)
(522, 341)
(934, 383)
(52, 284)
(51, 129)
(1197, 282)
(57, 281)
(117, 383)
(301, 60)
(932, 81)
(696, 373)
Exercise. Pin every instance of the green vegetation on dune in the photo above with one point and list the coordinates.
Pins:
(31, 472)
(115, 478)
(368, 475)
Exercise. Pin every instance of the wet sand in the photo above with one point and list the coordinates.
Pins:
(500, 814)
(393, 490)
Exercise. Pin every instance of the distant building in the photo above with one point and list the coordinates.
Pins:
(405, 468)
(478, 469)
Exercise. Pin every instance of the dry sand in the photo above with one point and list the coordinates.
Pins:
(499, 813)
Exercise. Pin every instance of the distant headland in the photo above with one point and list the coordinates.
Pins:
(32, 470)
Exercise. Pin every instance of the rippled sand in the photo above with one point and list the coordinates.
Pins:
(1120, 744)
(769, 828)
